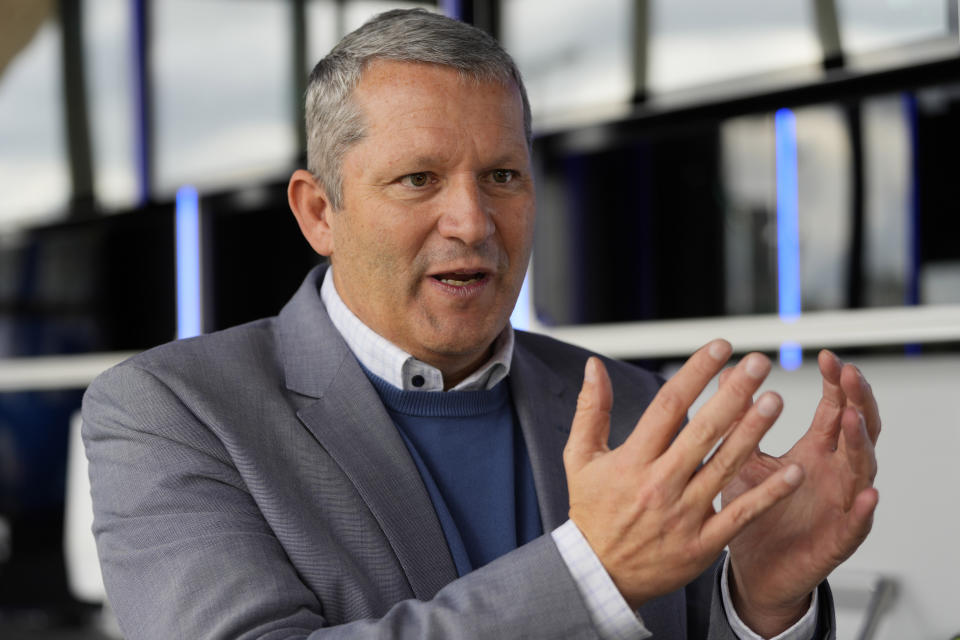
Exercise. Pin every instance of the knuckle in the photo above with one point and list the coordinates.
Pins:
(703, 433)
(584, 403)
(725, 464)
(588, 403)
(703, 366)
(739, 384)
(669, 403)
(740, 514)
(654, 495)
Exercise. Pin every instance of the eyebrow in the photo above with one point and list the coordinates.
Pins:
(503, 160)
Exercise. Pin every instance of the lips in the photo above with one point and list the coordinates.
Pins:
(459, 278)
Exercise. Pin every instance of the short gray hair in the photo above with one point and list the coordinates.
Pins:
(334, 121)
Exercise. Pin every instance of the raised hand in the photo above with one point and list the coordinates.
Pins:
(787, 551)
(646, 507)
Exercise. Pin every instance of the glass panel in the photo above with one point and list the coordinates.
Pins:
(936, 130)
(321, 30)
(888, 215)
(34, 175)
(694, 42)
(223, 91)
(574, 59)
(823, 178)
(748, 166)
(109, 59)
(631, 231)
(868, 25)
(34, 429)
(750, 178)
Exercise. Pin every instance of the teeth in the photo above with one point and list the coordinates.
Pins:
(459, 283)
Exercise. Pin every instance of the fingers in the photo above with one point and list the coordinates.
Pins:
(724, 376)
(860, 394)
(844, 384)
(859, 449)
(591, 422)
(725, 463)
(714, 419)
(859, 520)
(720, 529)
(830, 366)
(722, 380)
(659, 423)
(826, 420)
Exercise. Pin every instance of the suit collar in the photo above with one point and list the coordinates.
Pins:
(311, 350)
(544, 406)
(349, 421)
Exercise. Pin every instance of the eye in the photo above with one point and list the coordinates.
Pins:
(421, 179)
(502, 176)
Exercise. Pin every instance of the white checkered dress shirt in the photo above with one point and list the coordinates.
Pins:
(609, 611)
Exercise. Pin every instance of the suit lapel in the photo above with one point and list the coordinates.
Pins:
(349, 421)
(545, 407)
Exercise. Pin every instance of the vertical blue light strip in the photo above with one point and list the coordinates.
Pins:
(520, 318)
(188, 263)
(912, 293)
(451, 9)
(141, 115)
(788, 232)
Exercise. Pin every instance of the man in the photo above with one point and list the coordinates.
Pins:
(307, 475)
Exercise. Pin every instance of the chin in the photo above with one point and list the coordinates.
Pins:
(465, 341)
(457, 347)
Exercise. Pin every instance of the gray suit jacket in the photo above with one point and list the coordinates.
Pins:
(250, 484)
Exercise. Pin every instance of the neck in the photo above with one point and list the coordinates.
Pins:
(456, 372)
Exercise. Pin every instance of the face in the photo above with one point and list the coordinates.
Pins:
(432, 243)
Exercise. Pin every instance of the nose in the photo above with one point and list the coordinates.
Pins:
(465, 213)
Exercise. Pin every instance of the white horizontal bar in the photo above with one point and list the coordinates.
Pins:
(56, 372)
(653, 339)
(814, 330)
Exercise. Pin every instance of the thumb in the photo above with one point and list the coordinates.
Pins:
(591, 422)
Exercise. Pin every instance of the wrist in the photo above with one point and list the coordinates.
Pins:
(766, 619)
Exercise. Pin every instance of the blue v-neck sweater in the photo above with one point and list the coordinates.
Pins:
(469, 450)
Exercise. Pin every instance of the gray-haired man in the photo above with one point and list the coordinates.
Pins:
(388, 458)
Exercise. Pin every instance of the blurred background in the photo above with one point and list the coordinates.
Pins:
(784, 174)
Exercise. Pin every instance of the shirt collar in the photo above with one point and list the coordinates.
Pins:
(388, 361)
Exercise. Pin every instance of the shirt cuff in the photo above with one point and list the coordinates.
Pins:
(610, 613)
(804, 629)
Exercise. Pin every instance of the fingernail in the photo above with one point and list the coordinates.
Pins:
(757, 366)
(590, 372)
(719, 350)
(794, 475)
(768, 404)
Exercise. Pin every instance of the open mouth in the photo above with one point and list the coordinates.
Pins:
(459, 279)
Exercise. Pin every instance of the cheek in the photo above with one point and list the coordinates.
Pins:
(517, 234)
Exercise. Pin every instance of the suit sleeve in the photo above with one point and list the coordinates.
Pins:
(187, 553)
(707, 618)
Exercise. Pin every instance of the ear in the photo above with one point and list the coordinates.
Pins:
(312, 209)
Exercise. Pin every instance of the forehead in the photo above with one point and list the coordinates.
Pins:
(422, 104)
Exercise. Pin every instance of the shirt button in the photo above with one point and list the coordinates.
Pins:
(417, 380)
